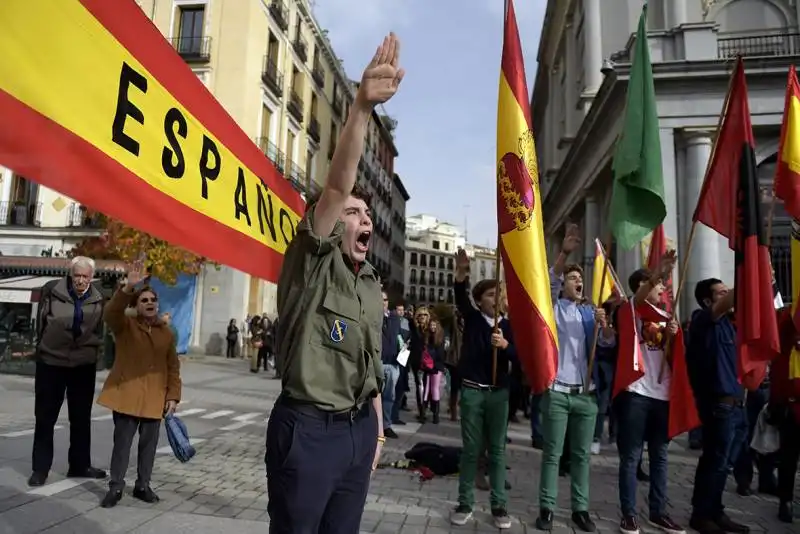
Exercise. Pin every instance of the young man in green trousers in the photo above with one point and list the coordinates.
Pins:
(484, 401)
(568, 406)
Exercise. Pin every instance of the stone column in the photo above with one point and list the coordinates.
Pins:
(704, 261)
(591, 230)
(676, 13)
(592, 48)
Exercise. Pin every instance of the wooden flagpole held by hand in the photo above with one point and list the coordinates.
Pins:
(498, 259)
(593, 349)
(692, 232)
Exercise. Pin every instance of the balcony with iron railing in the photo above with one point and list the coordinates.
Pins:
(765, 45)
(297, 177)
(273, 153)
(301, 47)
(313, 129)
(337, 104)
(295, 106)
(19, 214)
(193, 49)
(280, 14)
(79, 217)
(318, 73)
(272, 76)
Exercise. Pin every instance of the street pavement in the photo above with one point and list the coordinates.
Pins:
(223, 489)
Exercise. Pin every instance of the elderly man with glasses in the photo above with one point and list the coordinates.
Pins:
(70, 332)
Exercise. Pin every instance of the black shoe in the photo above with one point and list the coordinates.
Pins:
(785, 513)
(435, 412)
(665, 523)
(389, 433)
(38, 478)
(629, 525)
(705, 526)
(729, 525)
(145, 494)
(583, 522)
(89, 472)
(399, 422)
(111, 499)
(545, 520)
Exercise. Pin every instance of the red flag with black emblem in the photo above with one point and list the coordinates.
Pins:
(630, 361)
(730, 204)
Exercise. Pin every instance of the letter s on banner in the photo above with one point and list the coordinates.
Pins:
(98, 106)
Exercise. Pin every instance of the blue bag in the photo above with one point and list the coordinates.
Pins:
(178, 438)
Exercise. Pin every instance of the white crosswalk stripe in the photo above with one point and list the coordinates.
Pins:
(217, 414)
(20, 433)
(190, 411)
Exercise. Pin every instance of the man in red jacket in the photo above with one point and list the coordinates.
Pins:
(784, 410)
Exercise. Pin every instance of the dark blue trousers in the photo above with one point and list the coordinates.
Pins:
(318, 469)
(724, 433)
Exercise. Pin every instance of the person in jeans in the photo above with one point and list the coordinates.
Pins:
(484, 401)
(392, 339)
(144, 384)
(711, 360)
(642, 406)
(605, 361)
(568, 404)
(70, 333)
(743, 468)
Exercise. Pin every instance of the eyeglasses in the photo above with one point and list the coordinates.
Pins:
(148, 300)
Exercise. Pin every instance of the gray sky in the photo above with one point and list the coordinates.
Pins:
(447, 105)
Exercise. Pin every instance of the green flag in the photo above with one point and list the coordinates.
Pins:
(637, 200)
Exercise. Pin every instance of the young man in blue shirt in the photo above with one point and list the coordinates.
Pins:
(711, 359)
(568, 402)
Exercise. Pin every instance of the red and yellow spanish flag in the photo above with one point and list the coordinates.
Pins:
(97, 105)
(519, 219)
(787, 188)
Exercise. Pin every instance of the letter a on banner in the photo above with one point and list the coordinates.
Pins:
(97, 105)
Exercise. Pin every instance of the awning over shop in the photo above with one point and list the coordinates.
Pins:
(22, 289)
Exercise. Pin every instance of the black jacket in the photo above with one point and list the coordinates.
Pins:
(476, 348)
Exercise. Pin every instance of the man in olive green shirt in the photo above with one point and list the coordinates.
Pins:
(325, 433)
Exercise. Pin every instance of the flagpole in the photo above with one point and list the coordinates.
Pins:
(596, 335)
(497, 263)
(693, 230)
(690, 241)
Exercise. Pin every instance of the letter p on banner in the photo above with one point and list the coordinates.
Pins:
(97, 105)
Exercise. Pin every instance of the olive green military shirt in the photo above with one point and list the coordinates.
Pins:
(330, 319)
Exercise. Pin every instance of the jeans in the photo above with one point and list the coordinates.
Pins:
(606, 376)
(536, 417)
(400, 390)
(643, 420)
(391, 375)
(563, 413)
(484, 421)
(724, 431)
(743, 467)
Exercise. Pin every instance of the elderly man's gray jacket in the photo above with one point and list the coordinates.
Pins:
(58, 345)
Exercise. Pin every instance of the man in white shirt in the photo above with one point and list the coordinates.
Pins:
(642, 409)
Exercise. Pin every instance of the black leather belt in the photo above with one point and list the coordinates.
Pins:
(353, 414)
(731, 401)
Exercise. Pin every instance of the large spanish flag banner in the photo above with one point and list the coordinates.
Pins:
(519, 219)
(787, 188)
(97, 105)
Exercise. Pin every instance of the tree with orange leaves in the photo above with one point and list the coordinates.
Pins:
(121, 242)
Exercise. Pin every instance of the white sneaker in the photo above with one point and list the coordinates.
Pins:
(461, 516)
(501, 518)
(595, 447)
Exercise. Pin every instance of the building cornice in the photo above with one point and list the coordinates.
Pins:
(398, 183)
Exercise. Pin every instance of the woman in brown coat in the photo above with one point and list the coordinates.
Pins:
(144, 384)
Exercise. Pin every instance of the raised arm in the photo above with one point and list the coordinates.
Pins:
(460, 293)
(114, 312)
(379, 83)
(666, 266)
(572, 240)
